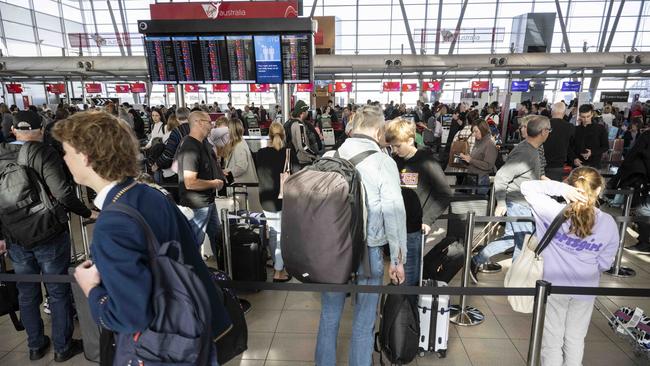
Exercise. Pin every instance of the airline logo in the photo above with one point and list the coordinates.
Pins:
(191, 88)
(211, 10)
(409, 87)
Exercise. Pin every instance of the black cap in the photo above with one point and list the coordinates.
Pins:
(27, 120)
(300, 107)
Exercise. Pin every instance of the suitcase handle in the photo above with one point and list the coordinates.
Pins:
(422, 256)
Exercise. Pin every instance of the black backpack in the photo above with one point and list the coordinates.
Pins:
(399, 329)
(29, 214)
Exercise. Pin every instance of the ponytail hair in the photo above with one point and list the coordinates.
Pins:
(276, 135)
(583, 214)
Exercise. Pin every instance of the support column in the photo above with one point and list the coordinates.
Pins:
(286, 102)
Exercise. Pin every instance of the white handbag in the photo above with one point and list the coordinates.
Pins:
(286, 172)
(528, 267)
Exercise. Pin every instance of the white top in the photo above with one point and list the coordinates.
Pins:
(101, 195)
(157, 130)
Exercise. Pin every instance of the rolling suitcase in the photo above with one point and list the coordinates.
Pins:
(433, 312)
(444, 260)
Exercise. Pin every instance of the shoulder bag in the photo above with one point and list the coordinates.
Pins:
(286, 172)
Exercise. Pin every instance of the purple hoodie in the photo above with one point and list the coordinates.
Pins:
(570, 260)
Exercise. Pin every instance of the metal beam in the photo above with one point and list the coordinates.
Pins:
(457, 31)
(407, 26)
(117, 31)
(603, 34)
(423, 36)
(92, 10)
(614, 26)
(356, 32)
(313, 9)
(438, 27)
(565, 37)
(124, 26)
(638, 25)
(494, 26)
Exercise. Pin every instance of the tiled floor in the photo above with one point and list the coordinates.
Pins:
(283, 327)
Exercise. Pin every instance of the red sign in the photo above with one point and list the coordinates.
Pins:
(391, 86)
(191, 88)
(343, 86)
(170, 88)
(224, 10)
(138, 88)
(410, 87)
(221, 88)
(14, 88)
(480, 86)
(122, 88)
(93, 88)
(56, 88)
(431, 86)
(305, 87)
(259, 88)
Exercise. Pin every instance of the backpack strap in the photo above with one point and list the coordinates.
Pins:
(552, 229)
(23, 154)
(152, 241)
(357, 159)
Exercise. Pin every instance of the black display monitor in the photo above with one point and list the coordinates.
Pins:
(189, 65)
(214, 56)
(160, 59)
(296, 58)
(241, 59)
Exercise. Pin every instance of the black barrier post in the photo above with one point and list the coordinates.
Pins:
(463, 314)
(617, 269)
(82, 227)
(225, 224)
(542, 290)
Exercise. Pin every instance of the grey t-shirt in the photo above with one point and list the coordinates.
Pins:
(523, 164)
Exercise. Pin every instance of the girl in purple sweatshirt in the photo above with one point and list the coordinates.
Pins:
(583, 247)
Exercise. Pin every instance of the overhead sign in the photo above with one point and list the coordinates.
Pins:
(221, 88)
(138, 88)
(615, 97)
(14, 88)
(99, 102)
(391, 86)
(431, 86)
(343, 86)
(259, 88)
(170, 88)
(571, 86)
(473, 35)
(409, 87)
(122, 88)
(480, 86)
(309, 87)
(224, 10)
(191, 88)
(93, 88)
(86, 40)
(56, 88)
(520, 86)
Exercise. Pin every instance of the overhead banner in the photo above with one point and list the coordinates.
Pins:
(93, 88)
(170, 88)
(431, 86)
(122, 88)
(224, 10)
(520, 86)
(615, 97)
(138, 88)
(391, 86)
(259, 88)
(14, 88)
(480, 86)
(191, 88)
(221, 88)
(301, 88)
(343, 86)
(409, 87)
(571, 86)
(56, 88)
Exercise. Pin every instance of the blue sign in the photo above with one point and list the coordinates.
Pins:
(268, 59)
(571, 86)
(520, 86)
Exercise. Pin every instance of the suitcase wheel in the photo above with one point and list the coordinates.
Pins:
(442, 353)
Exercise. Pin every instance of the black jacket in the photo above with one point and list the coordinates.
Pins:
(556, 147)
(593, 137)
(50, 168)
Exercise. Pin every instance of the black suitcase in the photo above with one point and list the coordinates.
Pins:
(247, 252)
(444, 260)
(9, 297)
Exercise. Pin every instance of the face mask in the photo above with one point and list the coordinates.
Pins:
(220, 136)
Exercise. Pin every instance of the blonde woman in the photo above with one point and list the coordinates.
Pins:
(239, 159)
(583, 247)
(271, 162)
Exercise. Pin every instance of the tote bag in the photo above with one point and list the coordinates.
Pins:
(286, 172)
(528, 268)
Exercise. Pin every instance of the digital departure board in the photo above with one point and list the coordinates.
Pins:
(160, 59)
(241, 59)
(268, 59)
(296, 58)
(187, 53)
(214, 56)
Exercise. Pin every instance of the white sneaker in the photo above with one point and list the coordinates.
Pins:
(46, 306)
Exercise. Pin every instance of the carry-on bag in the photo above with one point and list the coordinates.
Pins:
(444, 260)
(9, 297)
(235, 342)
(433, 315)
(399, 329)
(246, 243)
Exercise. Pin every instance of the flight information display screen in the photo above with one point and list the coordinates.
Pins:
(188, 59)
(160, 59)
(241, 59)
(268, 59)
(296, 58)
(214, 56)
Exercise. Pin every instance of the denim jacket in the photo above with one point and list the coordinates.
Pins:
(385, 206)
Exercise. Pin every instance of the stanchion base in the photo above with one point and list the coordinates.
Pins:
(623, 272)
(490, 267)
(468, 317)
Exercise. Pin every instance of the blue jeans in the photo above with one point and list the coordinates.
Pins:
(514, 235)
(52, 257)
(413, 258)
(363, 323)
(206, 221)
